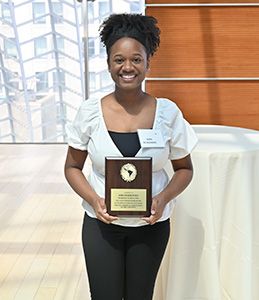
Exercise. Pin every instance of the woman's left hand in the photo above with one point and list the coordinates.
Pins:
(157, 208)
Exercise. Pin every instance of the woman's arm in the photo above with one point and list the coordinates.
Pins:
(183, 172)
(73, 172)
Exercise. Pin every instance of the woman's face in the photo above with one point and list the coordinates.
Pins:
(128, 63)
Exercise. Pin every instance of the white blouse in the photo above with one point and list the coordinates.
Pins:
(88, 132)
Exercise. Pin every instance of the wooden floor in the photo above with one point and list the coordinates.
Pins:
(40, 226)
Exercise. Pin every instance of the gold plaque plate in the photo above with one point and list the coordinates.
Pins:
(128, 185)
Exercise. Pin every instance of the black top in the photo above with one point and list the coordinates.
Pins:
(127, 142)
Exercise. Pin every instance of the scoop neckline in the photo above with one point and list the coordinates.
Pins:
(154, 121)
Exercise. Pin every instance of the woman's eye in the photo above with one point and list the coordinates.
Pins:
(119, 61)
(137, 60)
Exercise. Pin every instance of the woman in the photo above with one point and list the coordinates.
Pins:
(123, 254)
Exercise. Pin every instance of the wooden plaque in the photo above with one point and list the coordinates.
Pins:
(128, 186)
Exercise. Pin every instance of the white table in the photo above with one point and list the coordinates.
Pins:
(213, 253)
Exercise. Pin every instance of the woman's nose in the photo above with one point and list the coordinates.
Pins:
(127, 65)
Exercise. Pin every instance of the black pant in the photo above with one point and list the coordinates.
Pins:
(122, 262)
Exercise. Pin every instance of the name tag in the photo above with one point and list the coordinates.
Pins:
(151, 138)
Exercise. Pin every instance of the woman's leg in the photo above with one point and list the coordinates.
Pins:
(104, 254)
(145, 249)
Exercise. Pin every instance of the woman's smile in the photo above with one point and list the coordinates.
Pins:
(128, 77)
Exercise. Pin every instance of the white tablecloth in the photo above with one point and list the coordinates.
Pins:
(213, 253)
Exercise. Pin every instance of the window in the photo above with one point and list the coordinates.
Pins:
(33, 51)
(134, 7)
(102, 51)
(58, 12)
(12, 79)
(106, 81)
(59, 80)
(6, 13)
(91, 48)
(60, 46)
(40, 46)
(42, 82)
(90, 11)
(38, 10)
(92, 81)
(60, 43)
(104, 9)
(10, 48)
(61, 113)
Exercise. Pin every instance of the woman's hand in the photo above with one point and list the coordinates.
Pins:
(183, 172)
(157, 208)
(73, 171)
(101, 211)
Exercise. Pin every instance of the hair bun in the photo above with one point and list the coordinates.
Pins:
(137, 26)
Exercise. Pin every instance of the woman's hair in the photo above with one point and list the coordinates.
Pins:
(139, 27)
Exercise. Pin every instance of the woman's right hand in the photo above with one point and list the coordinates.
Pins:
(73, 171)
(100, 209)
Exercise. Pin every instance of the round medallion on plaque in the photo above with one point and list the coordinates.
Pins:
(128, 172)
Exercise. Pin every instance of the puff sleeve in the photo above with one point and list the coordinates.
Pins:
(183, 138)
(79, 131)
